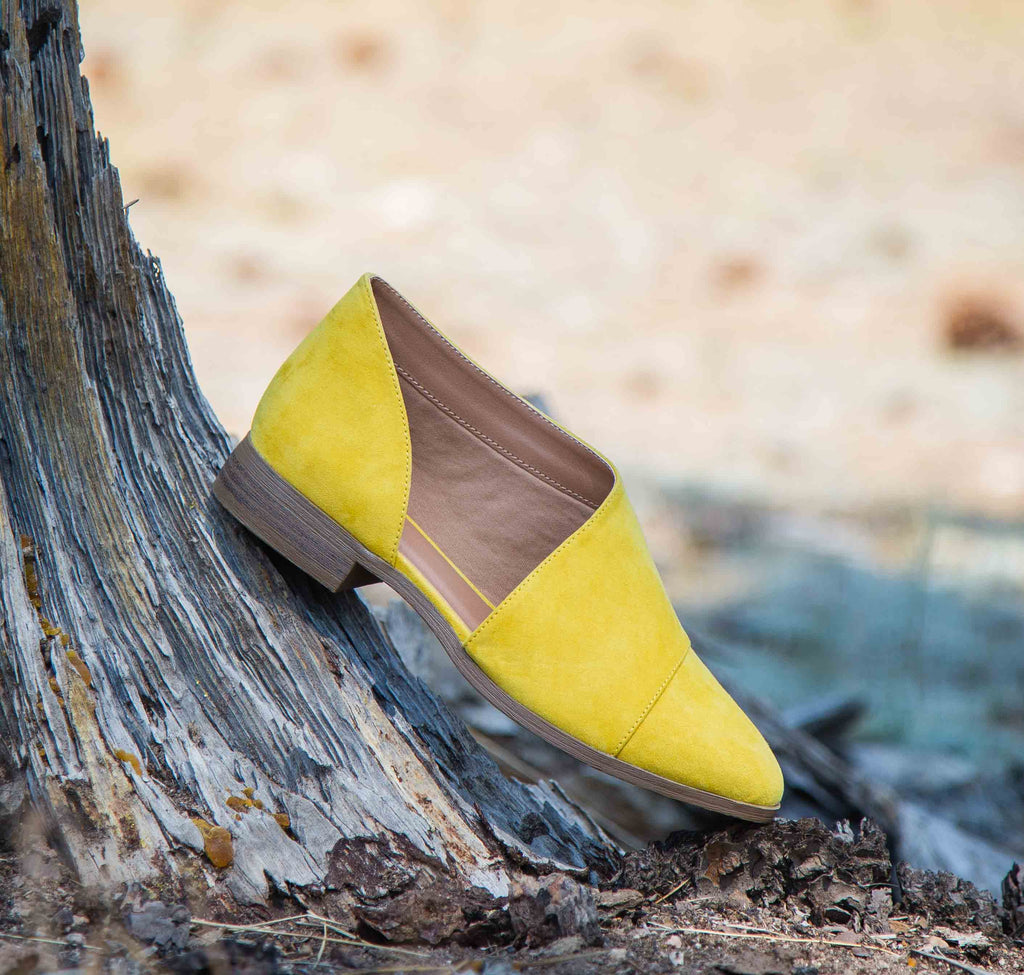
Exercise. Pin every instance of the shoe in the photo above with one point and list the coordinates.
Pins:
(380, 452)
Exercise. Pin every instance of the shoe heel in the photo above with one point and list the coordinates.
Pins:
(288, 522)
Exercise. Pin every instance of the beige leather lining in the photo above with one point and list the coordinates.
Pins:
(495, 484)
(424, 353)
(458, 593)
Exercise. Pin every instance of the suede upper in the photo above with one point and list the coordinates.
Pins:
(593, 617)
(332, 423)
(591, 643)
(588, 640)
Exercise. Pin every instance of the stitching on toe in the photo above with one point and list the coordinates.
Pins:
(625, 740)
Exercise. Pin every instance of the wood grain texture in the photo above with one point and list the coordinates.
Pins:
(154, 659)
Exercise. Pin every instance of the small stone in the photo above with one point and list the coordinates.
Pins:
(846, 937)
(124, 965)
(180, 914)
(964, 939)
(196, 963)
(157, 923)
(76, 939)
(673, 942)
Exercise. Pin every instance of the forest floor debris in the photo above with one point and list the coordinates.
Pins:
(791, 897)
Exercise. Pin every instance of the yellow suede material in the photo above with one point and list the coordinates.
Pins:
(590, 642)
(332, 423)
(698, 735)
(589, 638)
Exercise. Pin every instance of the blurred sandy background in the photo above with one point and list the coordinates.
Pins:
(775, 248)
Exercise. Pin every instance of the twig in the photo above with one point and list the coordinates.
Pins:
(778, 937)
(385, 970)
(753, 929)
(264, 924)
(560, 959)
(323, 945)
(300, 935)
(678, 887)
(47, 941)
(963, 966)
(333, 925)
(685, 900)
(349, 940)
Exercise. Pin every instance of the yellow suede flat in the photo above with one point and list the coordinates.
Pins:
(381, 452)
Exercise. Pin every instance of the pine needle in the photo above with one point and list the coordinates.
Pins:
(347, 939)
(47, 941)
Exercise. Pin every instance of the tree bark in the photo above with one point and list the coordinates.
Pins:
(175, 703)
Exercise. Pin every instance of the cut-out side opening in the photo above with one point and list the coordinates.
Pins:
(496, 486)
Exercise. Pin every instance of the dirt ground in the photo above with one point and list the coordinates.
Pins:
(786, 899)
(774, 248)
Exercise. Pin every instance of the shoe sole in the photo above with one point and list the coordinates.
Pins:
(290, 523)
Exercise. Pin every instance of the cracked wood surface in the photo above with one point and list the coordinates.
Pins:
(162, 679)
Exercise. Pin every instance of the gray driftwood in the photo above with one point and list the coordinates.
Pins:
(172, 699)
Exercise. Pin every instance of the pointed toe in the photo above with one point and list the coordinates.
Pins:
(695, 734)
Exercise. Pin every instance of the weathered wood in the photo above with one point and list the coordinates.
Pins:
(154, 660)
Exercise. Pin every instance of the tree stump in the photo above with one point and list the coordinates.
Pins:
(177, 705)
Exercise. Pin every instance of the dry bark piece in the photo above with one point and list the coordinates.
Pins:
(838, 876)
(942, 898)
(436, 914)
(615, 902)
(1013, 901)
(973, 941)
(404, 896)
(549, 908)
